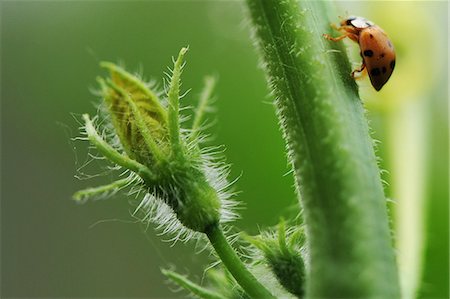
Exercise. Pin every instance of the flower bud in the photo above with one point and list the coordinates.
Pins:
(168, 160)
(284, 258)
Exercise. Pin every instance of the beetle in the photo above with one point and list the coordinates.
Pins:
(377, 50)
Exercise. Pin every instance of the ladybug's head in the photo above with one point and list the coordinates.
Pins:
(356, 22)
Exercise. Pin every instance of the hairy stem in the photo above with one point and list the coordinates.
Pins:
(191, 286)
(236, 267)
(97, 191)
(330, 150)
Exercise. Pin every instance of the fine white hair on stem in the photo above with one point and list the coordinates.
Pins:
(153, 207)
(156, 211)
(216, 173)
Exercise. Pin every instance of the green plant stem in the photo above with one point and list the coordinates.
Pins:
(236, 267)
(330, 149)
(191, 286)
(96, 191)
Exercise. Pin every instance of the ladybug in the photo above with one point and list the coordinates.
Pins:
(377, 51)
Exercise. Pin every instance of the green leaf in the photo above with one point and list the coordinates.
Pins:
(123, 89)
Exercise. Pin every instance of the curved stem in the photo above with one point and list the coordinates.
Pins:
(191, 286)
(101, 190)
(236, 267)
(330, 150)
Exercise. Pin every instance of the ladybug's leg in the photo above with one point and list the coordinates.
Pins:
(347, 31)
(363, 66)
(335, 39)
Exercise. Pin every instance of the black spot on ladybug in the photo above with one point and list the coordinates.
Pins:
(384, 70)
(368, 53)
(371, 35)
(389, 44)
(375, 72)
(368, 24)
(382, 55)
(392, 64)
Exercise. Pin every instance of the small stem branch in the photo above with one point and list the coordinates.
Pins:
(97, 191)
(236, 267)
(191, 286)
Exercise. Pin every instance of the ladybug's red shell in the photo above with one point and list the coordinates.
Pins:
(377, 50)
(378, 55)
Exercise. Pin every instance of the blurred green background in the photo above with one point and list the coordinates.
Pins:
(51, 247)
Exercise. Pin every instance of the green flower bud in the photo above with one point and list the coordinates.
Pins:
(168, 160)
(284, 258)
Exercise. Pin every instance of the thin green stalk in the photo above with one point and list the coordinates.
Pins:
(191, 286)
(330, 149)
(100, 190)
(236, 267)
